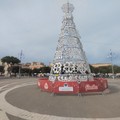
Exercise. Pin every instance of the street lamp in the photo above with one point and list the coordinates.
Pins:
(20, 57)
(111, 58)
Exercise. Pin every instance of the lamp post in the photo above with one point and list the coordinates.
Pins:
(20, 57)
(111, 58)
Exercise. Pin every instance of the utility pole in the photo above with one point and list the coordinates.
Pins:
(20, 57)
(111, 58)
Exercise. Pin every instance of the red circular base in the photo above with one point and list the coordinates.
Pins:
(70, 87)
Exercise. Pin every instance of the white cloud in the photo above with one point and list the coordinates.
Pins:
(34, 27)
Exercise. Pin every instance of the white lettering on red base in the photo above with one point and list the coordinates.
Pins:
(91, 87)
(46, 86)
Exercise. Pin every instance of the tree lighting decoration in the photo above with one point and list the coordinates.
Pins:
(70, 63)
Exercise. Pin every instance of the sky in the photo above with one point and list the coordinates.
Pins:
(33, 26)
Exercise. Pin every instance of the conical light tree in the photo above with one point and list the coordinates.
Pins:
(70, 63)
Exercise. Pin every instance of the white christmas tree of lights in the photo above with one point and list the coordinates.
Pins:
(70, 63)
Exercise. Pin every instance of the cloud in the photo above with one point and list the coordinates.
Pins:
(34, 27)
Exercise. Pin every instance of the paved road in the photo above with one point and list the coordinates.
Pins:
(20, 99)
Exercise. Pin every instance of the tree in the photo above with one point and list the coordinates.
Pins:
(36, 70)
(10, 60)
(26, 71)
(1, 69)
(93, 69)
(45, 69)
(116, 69)
(15, 69)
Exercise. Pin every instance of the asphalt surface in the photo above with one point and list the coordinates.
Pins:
(31, 99)
(11, 117)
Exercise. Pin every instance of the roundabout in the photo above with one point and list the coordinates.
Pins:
(22, 100)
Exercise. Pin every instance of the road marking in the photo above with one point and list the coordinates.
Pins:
(3, 87)
(3, 116)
